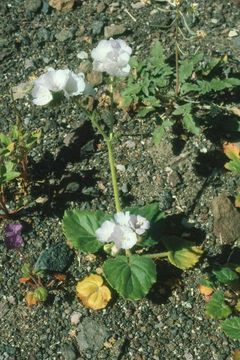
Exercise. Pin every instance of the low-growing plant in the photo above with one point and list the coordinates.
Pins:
(221, 288)
(151, 83)
(14, 150)
(126, 237)
(232, 151)
(37, 288)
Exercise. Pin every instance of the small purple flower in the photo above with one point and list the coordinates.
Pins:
(13, 236)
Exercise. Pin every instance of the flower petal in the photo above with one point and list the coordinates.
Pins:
(42, 96)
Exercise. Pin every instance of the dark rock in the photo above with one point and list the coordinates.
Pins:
(57, 258)
(226, 220)
(91, 335)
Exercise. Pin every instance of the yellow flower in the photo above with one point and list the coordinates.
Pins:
(92, 293)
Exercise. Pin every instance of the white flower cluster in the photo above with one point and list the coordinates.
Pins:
(111, 56)
(123, 230)
(55, 81)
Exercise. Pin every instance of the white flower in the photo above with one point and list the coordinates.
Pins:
(57, 81)
(104, 233)
(112, 56)
(123, 231)
(123, 237)
(139, 224)
(136, 222)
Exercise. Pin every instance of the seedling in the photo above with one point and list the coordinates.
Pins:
(232, 151)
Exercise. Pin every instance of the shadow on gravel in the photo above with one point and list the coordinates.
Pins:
(227, 255)
(168, 276)
(207, 163)
(58, 185)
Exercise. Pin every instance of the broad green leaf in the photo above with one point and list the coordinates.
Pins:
(216, 307)
(132, 277)
(190, 125)
(182, 253)
(225, 275)
(231, 327)
(79, 227)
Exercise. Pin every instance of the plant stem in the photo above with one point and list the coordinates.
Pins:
(157, 255)
(108, 141)
(2, 202)
(177, 88)
(113, 174)
(111, 104)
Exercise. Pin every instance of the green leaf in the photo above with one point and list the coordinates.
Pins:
(157, 57)
(132, 277)
(40, 294)
(183, 254)
(187, 66)
(26, 270)
(183, 109)
(79, 227)
(226, 275)
(185, 70)
(160, 130)
(57, 258)
(216, 307)
(233, 165)
(206, 282)
(190, 125)
(231, 327)
(142, 112)
(189, 87)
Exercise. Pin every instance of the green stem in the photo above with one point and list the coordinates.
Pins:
(177, 88)
(113, 175)
(157, 255)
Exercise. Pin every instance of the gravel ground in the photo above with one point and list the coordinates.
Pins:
(70, 170)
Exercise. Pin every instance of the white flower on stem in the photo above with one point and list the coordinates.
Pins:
(136, 222)
(55, 81)
(123, 231)
(112, 56)
(123, 237)
(139, 224)
(104, 233)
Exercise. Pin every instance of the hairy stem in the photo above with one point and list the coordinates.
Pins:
(113, 175)
(157, 255)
